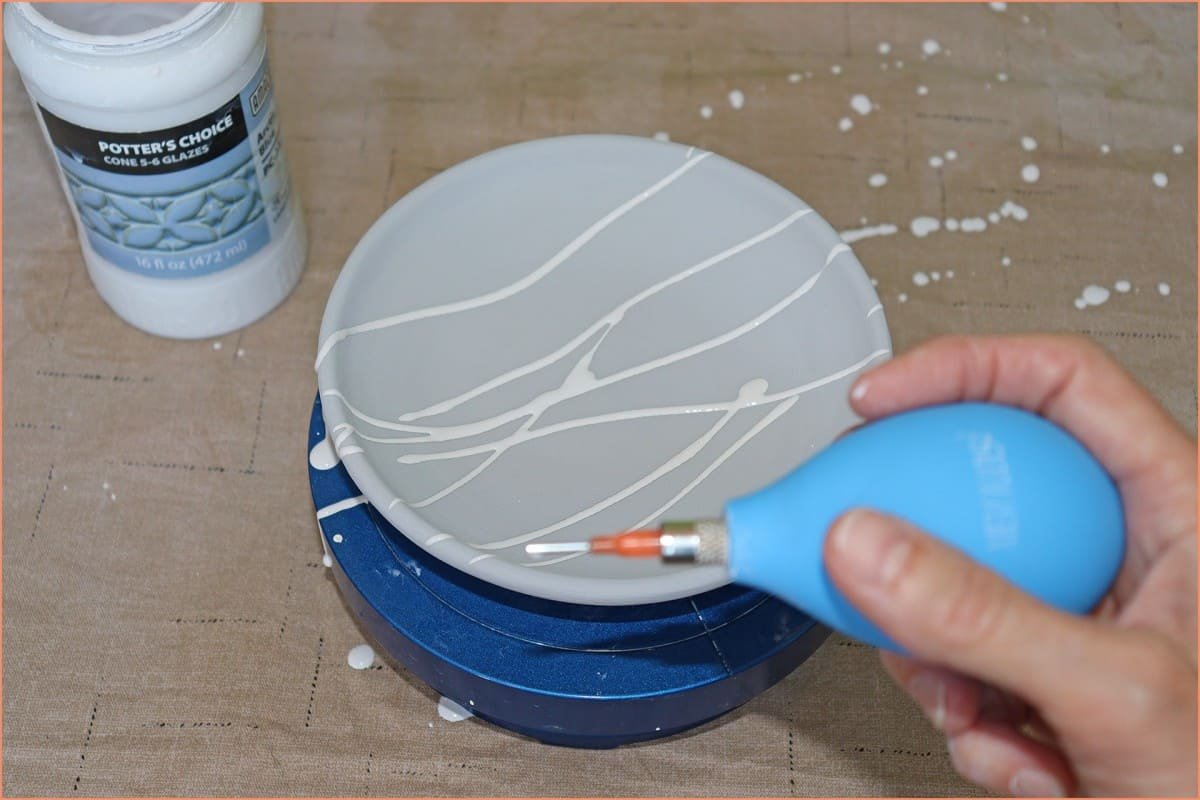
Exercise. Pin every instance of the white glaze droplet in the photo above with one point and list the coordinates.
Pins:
(216, 345)
(923, 226)
(974, 224)
(361, 656)
(1164, 289)
(920, 279)
(998, 7)
(1122, 286)
(794, 77)
(706, 112)
(951, 224)
(935, 162)
(322, 456)
(949, 274)
(876, 180)
(1013, 211)
(937, 276)
(338, 538)
(737, 99)
(1030, 173)
(931, 47)
(1105, 149)
(451, 711)
(902, 297)
(922, 90)
(662, 136)
(1080, 303)
(836, 69)
(1002, 77)
(1160, 179)
(1006, 261)
(884, 48)
(1177, 149)
(951, 155)
(1095, 295)
(1028, 143)
(993, 217)
(861, 103)
(845, 124)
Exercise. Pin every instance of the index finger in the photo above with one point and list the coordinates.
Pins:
(1071, 381)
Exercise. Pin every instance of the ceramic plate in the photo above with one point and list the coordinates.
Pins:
(586, 334)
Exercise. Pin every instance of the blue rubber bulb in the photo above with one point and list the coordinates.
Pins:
(1010, 489)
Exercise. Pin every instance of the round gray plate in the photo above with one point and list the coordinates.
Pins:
(581, 335)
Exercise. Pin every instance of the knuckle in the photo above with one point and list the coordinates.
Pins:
(973, 609)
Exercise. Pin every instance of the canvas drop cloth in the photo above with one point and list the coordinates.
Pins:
(168, 626)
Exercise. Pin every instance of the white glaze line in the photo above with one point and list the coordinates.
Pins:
(683, 456)
(582, 382)
(670, 465)
(349, 451)
(517, 286)
(437, 537)
(479, 558)
(775, 413)
(874, 308)
(607, 321)
(341, 505)
(857, 234)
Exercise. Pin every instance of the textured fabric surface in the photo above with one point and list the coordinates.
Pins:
(168, 626)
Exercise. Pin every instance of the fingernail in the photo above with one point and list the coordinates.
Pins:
(1030, 782)
(929, 690)
(870, 547)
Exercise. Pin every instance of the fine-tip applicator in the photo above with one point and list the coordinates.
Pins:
(1008, 488)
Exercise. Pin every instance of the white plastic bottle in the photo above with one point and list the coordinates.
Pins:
(161, 118)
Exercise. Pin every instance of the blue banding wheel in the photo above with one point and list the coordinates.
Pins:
(575, 675)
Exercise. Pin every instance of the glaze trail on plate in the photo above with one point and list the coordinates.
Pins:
(488, 417)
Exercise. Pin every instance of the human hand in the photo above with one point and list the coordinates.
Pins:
(1034, 701)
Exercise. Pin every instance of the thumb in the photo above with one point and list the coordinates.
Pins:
(947, 609)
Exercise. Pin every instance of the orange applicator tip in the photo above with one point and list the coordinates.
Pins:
(643, 543)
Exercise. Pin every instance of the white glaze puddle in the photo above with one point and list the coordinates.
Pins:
(520, 285)
(1092, 295)
(361, 657)
(1122, 286)
(451, 711)
(861, 104)
(322, 455)
(923, 226)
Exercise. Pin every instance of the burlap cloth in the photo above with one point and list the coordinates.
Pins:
(168, 627)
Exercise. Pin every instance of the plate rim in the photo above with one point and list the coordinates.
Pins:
(453, 551)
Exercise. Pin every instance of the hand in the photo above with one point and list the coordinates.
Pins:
(1034, 701)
